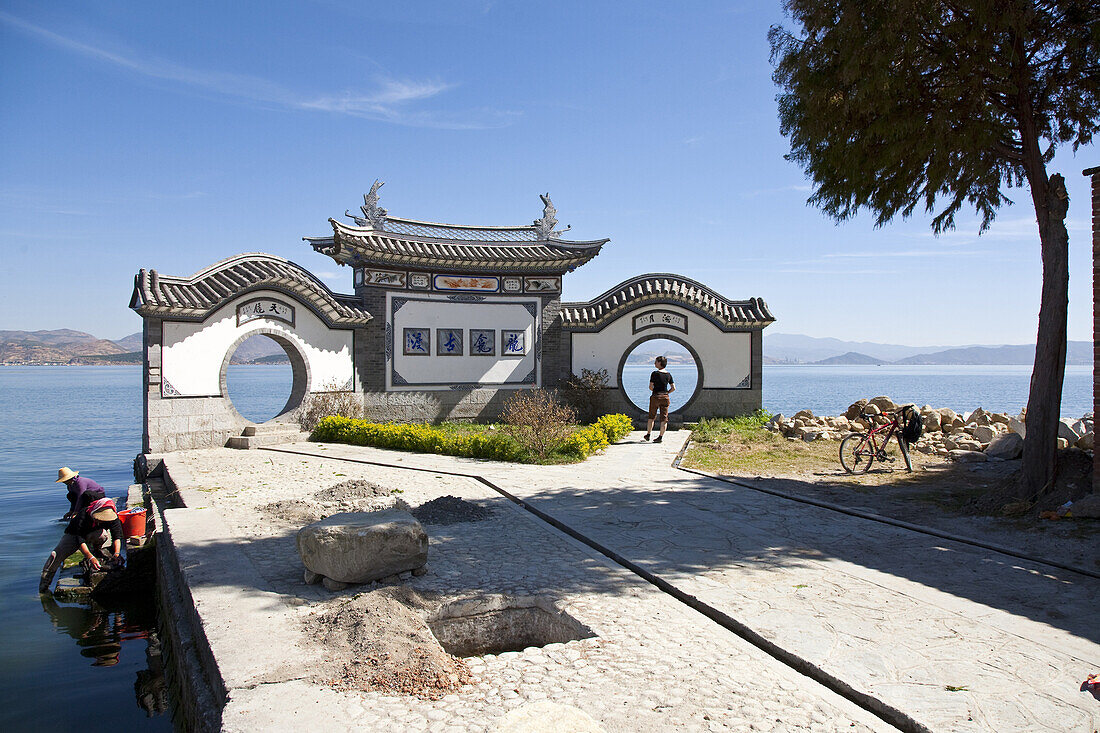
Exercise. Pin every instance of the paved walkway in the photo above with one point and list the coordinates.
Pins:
(957, 637)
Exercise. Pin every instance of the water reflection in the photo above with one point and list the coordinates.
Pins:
(102, 634)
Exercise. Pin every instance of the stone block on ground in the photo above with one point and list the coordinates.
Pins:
(1086, 441)
(359, 547)
(1017, 426)
(884, 403)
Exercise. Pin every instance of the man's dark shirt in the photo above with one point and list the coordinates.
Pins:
(661, 381)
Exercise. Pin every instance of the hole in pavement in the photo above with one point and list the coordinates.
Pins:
(496, 624)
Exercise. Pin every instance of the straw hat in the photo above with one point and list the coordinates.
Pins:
(64, 474)
(106, 514)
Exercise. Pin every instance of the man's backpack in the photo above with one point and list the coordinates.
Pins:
(912, 427)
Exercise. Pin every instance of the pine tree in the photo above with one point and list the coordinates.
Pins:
(891, 105)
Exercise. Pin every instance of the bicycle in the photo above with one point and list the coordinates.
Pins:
(858, 451)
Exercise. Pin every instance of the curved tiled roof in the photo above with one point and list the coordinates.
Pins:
(415, 228)
(464, 249)
(666, 288)
(194, 298)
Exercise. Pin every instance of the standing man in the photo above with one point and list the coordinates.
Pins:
(661, 385)
(77, 485)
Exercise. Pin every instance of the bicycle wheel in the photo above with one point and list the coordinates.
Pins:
(856, 453)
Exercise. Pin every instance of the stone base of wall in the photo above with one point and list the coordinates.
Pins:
(707, 403)
(183, 423)
(475, 405)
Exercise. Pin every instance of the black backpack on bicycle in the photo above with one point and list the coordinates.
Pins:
(912, 427)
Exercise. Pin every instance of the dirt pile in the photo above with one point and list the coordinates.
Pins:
(450, 510)
(352, 490)
(377, 641)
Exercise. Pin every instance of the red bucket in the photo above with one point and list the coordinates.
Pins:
(133, 522)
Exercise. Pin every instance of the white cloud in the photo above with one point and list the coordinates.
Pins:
(386, 102)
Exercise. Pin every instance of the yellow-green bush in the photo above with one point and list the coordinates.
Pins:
(415, 437)
(615, 427)
(498, 445)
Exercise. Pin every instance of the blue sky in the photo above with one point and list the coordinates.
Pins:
(172, 136)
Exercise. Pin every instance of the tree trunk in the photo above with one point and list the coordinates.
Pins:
(1045, 399)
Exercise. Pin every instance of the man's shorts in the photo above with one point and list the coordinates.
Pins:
(658, 403)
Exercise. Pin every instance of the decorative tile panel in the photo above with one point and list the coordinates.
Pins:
(419, 281)
(542, 284)
(512, 285)
(483, 342)
(265, 308)
(660, 318)
(416, 342)
(384, 278)
(513, 343)
(448, 341)
(455, 282)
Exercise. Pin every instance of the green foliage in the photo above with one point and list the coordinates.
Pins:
(719, 429)
(892, 104)
(585, 442)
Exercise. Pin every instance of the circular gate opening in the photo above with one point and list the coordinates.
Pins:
(638, 365)
(259, 379)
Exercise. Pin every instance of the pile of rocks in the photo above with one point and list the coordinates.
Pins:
(946, 433)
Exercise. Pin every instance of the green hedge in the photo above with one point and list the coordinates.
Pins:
(496, 445)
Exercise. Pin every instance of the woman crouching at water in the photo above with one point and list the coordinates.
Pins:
(661, 385)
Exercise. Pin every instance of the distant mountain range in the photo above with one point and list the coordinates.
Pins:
(65, 346)
(782, 348)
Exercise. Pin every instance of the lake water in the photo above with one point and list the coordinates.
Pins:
(828, 390)
(68, 667)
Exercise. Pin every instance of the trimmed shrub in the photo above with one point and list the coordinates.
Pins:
(415, 437)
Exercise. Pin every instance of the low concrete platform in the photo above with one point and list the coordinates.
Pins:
(938, 634)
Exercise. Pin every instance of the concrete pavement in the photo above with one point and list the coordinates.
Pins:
(950, 636)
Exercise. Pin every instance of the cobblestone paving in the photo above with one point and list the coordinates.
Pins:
(958, 637)
(653, 664)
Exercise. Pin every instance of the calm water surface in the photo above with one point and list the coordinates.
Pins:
(67, 666)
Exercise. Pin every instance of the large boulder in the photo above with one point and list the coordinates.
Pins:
(1086, 441)
(1065, 430)
(884, 403)
(1017, 426)
(1008, 446)
(1087, 507)
(984, 433)
(855, 409)
(931, 421)
(804, 415)
(978, 417)
(358, 547)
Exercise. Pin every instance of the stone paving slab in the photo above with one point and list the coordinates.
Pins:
(898, 615)
(653, 664)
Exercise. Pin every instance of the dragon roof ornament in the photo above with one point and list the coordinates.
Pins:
(374, 216)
